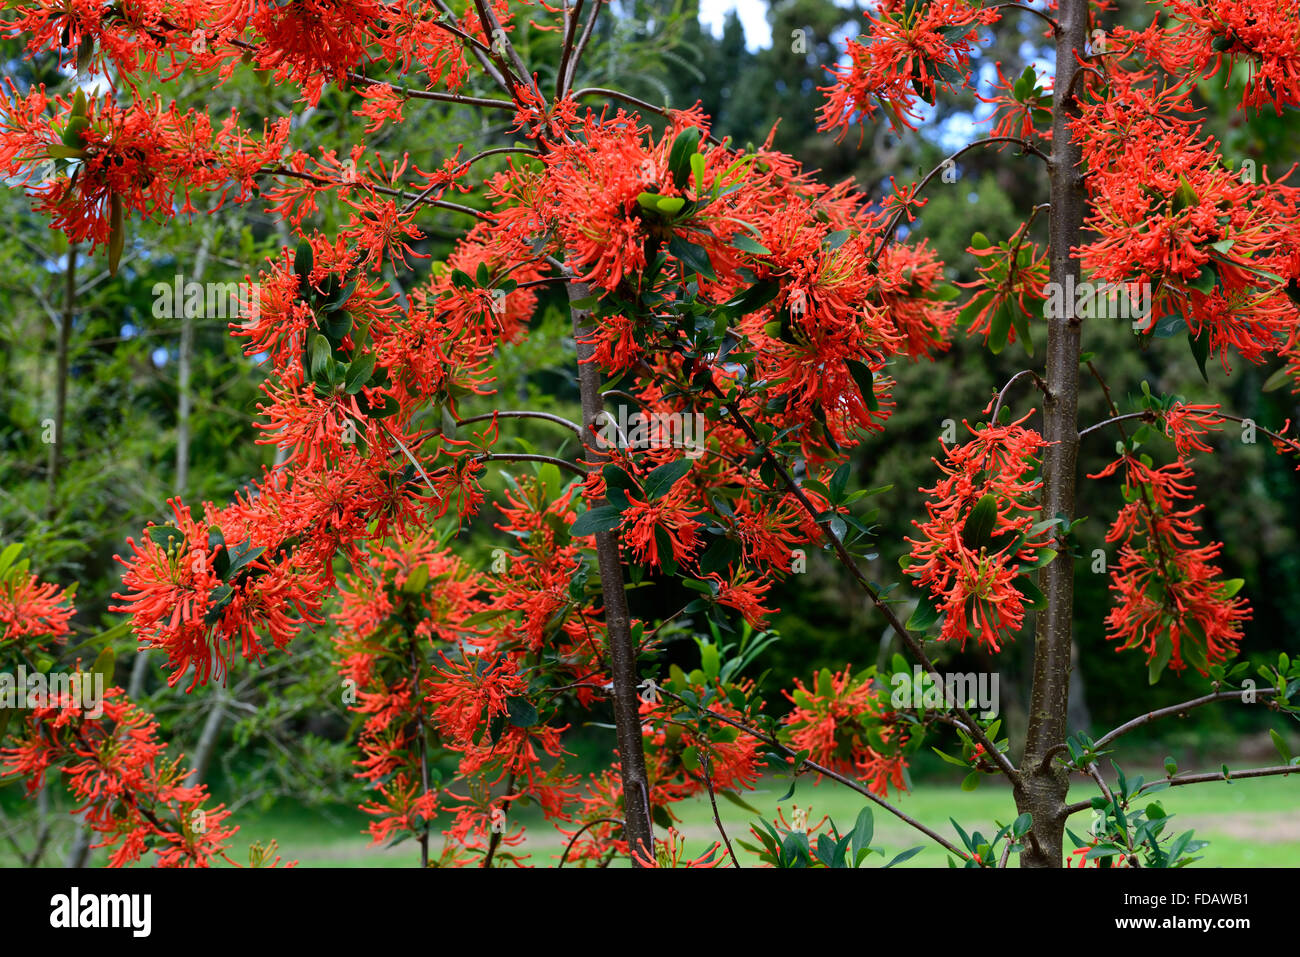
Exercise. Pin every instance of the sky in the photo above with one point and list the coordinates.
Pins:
(753, 17)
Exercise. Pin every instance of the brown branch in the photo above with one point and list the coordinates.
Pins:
(1025, 146)
(1038, 381)
(713, 800)
(820, 769)
(523, 414)
(586, 827)
(1050, 21)
(917, 651)
(1176, 709)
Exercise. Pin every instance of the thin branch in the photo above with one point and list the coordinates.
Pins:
(586, 827)
(1024, 145)
(572, 16)
(1207, 778)
(1176, 709)
(523, 414)
(473, 159)
(713, 800)
(488, 103)
(847, 560)
(1212, 776)
(529, 457)
(820, 769)
(637, 102)
(374, 187)
(1038, 381)
(582, 45)
(1051, 21)
(1147, 416)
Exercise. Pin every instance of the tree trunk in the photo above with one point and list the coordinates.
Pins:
(622, 652)
(1044, 783)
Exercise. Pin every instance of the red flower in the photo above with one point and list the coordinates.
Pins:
(1168, 602)
(974, 583)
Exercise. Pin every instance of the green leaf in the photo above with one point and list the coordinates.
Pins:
(1000, 326)
(1279, 742)
(693, 257)
(320, 356)
(839, 482)
(926, 614)
(679, 155)
(302, 261)
(710, 660)
(863, 831)
(116, 232)
(521, 711)
(670, 205)
(660, 482)
(745, 243)
(1164, 651)
(1230, 587)
(862, 376)
(602, 518)
(104, 665)
(977, 531)
(1021, 323)
(691, 759)
(160, 534)
(974, 307)
(417, 579)
(907, 855)
(55, 151)
(755, 297)
(697, 171)
(737, 800)
(1200, 346)
(1276, 380)
(971, 781)
(8, 556)
(1033, 594)
(359, 372)
(241, 558)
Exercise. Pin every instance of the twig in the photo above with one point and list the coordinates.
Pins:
(820, 769)
(582, 830)
(1038, 381)
(713, 800)
(523, 414)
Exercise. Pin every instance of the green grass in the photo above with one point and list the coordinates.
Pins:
(1248, 823)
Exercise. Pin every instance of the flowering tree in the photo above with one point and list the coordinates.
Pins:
(705, 283)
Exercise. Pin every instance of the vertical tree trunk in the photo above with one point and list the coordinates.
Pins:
(52, 487)
(184, 407)
(61, 384)
(1044, 784)
(619, 645)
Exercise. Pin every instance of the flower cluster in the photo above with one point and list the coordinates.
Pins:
(1170, 600)
(982, 534)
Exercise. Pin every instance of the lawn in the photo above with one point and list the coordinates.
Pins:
(1253, 823)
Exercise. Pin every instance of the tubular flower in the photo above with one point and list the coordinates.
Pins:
(983, 532)
(844, 724)
(906, 53)
(1168, 601)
